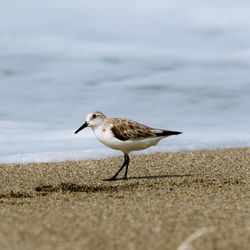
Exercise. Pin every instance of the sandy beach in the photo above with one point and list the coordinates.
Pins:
(186, 200)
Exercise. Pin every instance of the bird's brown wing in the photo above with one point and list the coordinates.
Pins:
(126, 129)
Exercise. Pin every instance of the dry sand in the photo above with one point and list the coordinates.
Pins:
(171, 201)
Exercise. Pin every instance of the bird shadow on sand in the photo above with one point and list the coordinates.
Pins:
(159, 176)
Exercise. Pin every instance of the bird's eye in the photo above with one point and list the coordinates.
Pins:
(94, 116)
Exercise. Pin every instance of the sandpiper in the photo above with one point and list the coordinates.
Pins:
(124, 135)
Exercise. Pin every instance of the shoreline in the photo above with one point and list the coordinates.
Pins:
(133, 154)
(167, 198)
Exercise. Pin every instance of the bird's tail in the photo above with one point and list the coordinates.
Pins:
(166, 133)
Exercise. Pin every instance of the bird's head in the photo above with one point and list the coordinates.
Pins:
(93, 120)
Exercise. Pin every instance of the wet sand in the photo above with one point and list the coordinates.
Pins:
(186, 200)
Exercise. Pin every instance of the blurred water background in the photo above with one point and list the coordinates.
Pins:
(168, 64)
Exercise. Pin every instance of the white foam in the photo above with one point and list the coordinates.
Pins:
(57, 156)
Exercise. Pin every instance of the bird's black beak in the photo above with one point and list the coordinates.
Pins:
(85, 124)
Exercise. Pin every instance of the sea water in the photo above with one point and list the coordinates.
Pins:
(172, 64)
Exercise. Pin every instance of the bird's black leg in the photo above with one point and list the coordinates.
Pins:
(125, 163)
(126, 170)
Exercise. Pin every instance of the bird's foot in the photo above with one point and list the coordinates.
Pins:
(110, 179)
(115, 179)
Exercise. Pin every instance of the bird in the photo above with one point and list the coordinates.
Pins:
(124, 135)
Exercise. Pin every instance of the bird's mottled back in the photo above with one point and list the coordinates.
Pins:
(124, 129)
